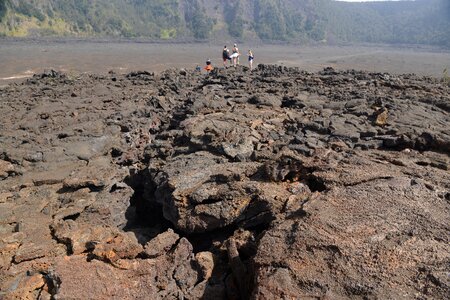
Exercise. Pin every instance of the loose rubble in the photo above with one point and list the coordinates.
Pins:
(271, 184)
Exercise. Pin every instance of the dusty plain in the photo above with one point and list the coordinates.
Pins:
(21, 59)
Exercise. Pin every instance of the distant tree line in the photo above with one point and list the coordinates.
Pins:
(421, 21)
(2, 9)
(410, 22)
(197, 19)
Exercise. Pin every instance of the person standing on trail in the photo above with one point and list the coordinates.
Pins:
(250, 59)
(236, 54)
(225, 56)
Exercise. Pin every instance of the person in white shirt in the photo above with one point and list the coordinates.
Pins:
(235, 55)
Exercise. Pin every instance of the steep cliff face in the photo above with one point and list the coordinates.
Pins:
(422, 21)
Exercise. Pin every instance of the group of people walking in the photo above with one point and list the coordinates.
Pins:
(229, 56)
(234, 57)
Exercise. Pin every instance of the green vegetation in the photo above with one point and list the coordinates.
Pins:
(410, 22)
(446, 77)
(270, 23)
(417, 22)
(2, 9)
(29, 10)
(197, 20)
(234, 19)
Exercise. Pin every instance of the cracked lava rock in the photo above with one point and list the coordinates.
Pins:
(270, 184)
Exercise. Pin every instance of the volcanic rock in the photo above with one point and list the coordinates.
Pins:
(6, 169)
(270, 184)
(161, 244)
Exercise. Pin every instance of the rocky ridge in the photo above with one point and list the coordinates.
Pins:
(271, 184)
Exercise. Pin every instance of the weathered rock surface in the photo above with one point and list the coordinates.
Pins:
(355, 231)
(270, 184)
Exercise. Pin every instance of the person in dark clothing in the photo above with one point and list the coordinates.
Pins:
(225, 56)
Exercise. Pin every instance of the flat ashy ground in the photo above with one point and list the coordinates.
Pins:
(20, 59)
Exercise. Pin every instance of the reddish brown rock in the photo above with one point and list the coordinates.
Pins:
(161, 244)
(6, 168)
(205, 260)
(370, 233)
(275, 183)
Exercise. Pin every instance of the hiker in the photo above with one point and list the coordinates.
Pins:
(234, 58)
(209, 66)
(225, 55)
(250, 59)
(235, 55)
